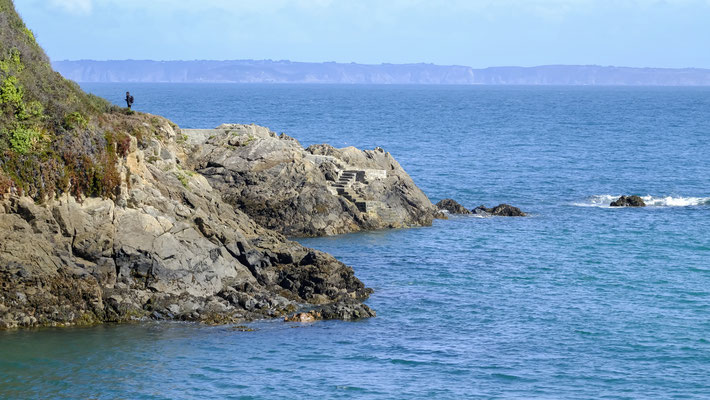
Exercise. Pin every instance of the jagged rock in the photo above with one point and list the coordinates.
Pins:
(628, 201)
(452, 206)
(501, 210)
(316, 191)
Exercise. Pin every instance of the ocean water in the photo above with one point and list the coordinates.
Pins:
(577, 301)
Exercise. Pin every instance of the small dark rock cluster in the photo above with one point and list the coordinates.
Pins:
(501, 210)
(628, 201)
(452, 206)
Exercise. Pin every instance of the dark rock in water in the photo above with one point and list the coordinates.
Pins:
(501, 210)
(346, 310)
(452, 206)
(628, 201)
(481, 210)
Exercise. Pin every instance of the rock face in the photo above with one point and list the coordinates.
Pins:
(628, 201)
(168, 247)
(452, 206)
(316, 191)
(501, 210)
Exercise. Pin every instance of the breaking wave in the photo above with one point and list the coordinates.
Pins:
(651, 201)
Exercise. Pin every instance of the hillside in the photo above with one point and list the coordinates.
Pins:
(53, 136)
(267, 71)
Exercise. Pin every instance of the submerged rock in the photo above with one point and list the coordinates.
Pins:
(501, 210)
(628, 201)
(452, 206)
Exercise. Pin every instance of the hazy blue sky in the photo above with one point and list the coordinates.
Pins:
(479, 33)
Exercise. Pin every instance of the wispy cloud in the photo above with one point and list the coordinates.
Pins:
(73, 6)
(242, 7)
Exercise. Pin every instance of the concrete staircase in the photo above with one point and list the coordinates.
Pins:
(343, 187)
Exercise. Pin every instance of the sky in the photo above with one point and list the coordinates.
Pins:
(477, 33)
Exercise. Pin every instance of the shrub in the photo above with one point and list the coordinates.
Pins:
(30, 35)
(75, 120)
(123, 145)
(5, 185)
(11, 95)
(23, 140)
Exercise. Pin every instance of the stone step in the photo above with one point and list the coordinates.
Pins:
(361, 205)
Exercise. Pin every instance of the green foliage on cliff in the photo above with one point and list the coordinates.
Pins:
(52, 134)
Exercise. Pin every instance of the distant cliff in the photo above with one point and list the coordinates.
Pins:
(267, 71)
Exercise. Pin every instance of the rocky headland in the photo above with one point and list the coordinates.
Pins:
(165, 247)
(108, 215)
(316, 191)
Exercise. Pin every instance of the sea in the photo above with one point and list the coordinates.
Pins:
(576, 301)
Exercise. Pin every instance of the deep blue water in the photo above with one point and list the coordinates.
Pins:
(577, 301)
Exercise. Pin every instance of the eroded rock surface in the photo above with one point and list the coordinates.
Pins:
(316, 191)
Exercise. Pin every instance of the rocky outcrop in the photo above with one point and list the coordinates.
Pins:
(452, 206)
(628, 201)
(316, 191)
(167, 247)
(501, 210)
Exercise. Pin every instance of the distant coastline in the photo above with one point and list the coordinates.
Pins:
(268, 71)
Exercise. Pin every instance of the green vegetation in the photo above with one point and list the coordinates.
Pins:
(30, 35)
(22, 140)
(75, 120)
(53, 136)
(183, 178)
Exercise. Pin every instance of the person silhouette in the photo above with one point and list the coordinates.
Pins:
(129, 100)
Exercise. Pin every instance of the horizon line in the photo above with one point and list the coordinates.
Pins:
(382, 64)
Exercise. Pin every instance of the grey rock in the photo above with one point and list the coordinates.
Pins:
(316, 191)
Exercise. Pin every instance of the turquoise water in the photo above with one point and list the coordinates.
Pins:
(577, 301)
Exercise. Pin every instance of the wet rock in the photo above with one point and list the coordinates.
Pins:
(452, 206)
(346, 310)
(501, 210)
(301, 317)
(628, 201)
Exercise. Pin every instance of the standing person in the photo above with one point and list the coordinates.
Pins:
(129, 100)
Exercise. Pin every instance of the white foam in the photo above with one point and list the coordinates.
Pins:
(603, 201)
